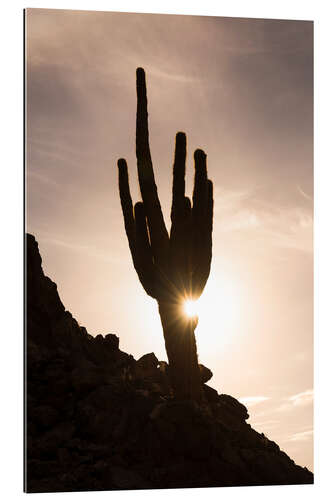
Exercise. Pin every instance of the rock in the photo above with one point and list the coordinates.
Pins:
(163, 367)
(50, 441)
(86, 377)
(205, 373)
(97, 419)
(44, 416)
(231, 455)
(120, 430)
(143, 392)
(125, 479)
(237, 409)
(166, 430)
(112, 341)
(247, 454)
(157, 388)
(157, 410)
(146, 366)
(64, 456)
(211, 394)
(163, 377)
(104, 397)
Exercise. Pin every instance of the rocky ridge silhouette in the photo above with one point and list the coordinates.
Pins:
(97, 419)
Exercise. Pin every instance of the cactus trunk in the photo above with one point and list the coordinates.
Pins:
(181, 349)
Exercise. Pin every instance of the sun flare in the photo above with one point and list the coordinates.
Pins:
(220, 312)
(191, 308)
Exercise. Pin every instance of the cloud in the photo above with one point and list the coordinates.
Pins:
(88, 250)
(43, 179)
(232, 206)
(243, 220)
(305, 195)
(253, 400)
(52, 94)
(266, 424)
(302, 398)
(299, 400)
(301, 436)
(177, 77)
(270, 222)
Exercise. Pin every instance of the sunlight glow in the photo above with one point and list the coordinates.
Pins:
(218, 311)
(221, 309)
(190, 308)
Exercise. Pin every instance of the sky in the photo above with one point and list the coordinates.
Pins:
(242, 90)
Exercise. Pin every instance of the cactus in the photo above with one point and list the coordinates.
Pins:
(171, 268)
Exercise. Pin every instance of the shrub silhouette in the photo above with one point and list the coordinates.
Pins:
(171, 268)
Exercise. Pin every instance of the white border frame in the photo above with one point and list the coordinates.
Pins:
(11, 211)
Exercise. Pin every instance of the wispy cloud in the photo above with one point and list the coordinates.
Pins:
(265, 424)
(306, 196)
(176, 77)
(281, 226)
(253, 400)
(88, 250)
(301, 436)
(59, 157)
(302, 398)
(297, 400)
(43, 179)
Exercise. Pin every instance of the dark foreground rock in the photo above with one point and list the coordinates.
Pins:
(97, 419)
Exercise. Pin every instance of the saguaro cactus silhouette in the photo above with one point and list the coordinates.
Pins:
(171, 268)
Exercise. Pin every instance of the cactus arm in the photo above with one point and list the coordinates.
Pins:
(178, 242)
(209, 213)
(178, 186)
(187, 245)
(136, 232)
(206, 248)
(200, 192)
(157, 230)
(145, 267)
(200, 186)
(126, 205)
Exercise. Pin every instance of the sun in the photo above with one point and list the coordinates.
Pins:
(191, 308)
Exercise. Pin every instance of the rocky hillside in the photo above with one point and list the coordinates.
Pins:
(97, 419)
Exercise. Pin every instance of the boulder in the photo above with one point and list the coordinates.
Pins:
(205, 373)
(111, 341)
(146, 366)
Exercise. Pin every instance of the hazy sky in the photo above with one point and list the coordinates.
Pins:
(241, 89)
